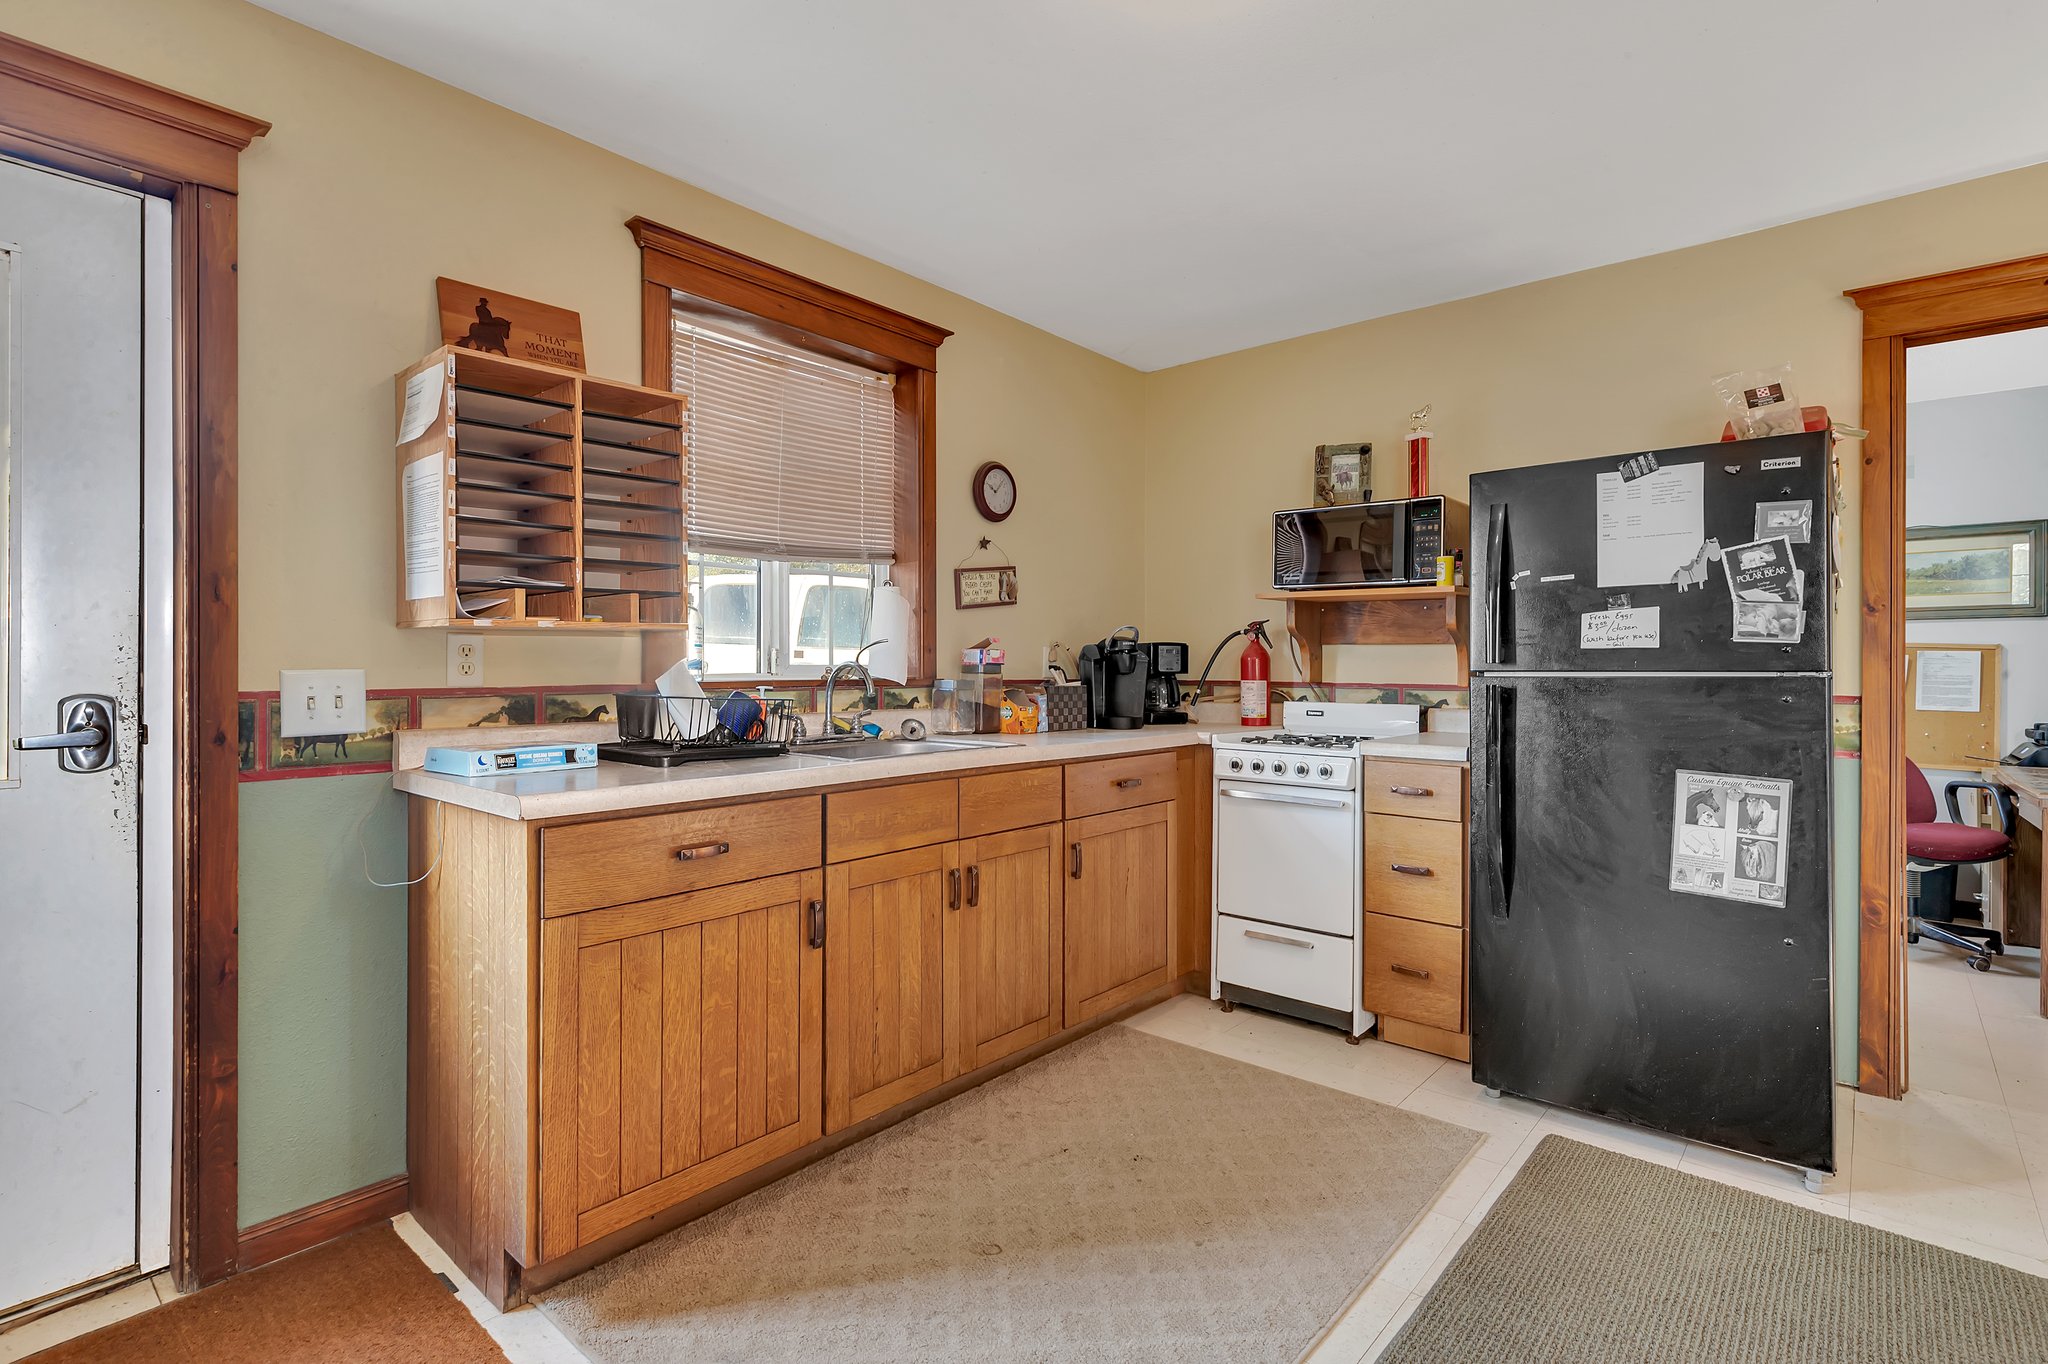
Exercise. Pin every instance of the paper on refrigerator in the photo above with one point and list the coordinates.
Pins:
(1650, 527)
(1728, 836)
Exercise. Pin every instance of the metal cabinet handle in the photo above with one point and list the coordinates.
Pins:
(974, 885)
(1416, 972)
(1275, 937)
(1422, 791)
(1074, 861)
(702, 850)
(952, 888)
(817, 923)
(1410, 871)
(1127, 783)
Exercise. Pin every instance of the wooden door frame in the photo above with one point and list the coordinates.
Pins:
(1896, 317)
(74, 116)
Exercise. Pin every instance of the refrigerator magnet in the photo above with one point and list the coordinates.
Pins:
(1762, 571)
(1792, 520)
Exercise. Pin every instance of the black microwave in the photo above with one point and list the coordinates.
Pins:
(1367, 544)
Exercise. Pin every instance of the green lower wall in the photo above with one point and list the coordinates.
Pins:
(323, 984)
(322, 991)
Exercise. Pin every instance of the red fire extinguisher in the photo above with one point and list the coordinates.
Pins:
(1254, 674)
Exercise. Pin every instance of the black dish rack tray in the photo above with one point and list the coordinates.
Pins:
(668, 731)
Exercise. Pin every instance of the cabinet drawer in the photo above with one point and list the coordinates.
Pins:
(1094, 788)
(616, 861)
(1415, 971)
(1424, 790)
(1294, 963)
(1415, 868)
(996, 801)
(885, 819)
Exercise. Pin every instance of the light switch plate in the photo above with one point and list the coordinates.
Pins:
(320, 702)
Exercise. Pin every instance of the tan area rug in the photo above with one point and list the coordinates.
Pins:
(1124, 1199)
(365, 1299)
(1590, 1257)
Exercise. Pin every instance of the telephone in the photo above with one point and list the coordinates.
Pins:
(2032, 750)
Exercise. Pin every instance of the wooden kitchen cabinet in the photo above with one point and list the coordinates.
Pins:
(1118, 911)
(891, 979)
(1416, 902)
(680, 1046)
(1011, 994)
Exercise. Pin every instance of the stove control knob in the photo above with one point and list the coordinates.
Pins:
(1326, 772)
(1301, 769)
(1237, 764)
(1258, 766)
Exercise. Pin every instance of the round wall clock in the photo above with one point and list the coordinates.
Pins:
(995, 491)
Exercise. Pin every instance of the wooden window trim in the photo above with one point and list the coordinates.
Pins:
(728, 289)
(1896, 317)
(71, 114)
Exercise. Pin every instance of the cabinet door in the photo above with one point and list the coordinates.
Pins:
(1010, 990)
(891, 979)
(680, 1046)
(1118, 907)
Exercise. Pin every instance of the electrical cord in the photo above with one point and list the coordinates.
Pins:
(439, 844)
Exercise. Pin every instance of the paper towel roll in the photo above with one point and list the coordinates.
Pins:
(889, 621)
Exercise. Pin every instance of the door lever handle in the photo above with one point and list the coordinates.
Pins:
(86, 742)
(85, 736)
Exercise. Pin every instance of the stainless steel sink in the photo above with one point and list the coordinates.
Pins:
(864, 750)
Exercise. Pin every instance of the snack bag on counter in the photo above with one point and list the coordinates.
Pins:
(1020, 711)
(1760, 402)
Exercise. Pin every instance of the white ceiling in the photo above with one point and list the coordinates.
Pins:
(1981, 364)
(1162, 180)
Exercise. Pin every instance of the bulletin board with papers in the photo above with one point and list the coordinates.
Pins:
(1952, 705)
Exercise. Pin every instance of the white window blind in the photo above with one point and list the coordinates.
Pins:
(792, 455)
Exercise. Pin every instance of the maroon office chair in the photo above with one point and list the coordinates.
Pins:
(1935, 848)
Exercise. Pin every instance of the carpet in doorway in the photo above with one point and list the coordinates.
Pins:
(365, 1299)
(1591, 1257)
(1123, 1200)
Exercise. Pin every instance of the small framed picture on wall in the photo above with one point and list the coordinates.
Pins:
(989, 585)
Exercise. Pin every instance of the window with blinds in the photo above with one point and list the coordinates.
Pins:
(792, 455)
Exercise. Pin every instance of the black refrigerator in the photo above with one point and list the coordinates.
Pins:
(1651, 805)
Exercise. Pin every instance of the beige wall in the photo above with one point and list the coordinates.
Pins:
(1610, 360)
(375, 179)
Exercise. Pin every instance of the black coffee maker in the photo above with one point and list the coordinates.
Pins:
(1114, 675)
(1164, 664)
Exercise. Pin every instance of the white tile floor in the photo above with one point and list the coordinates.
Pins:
(1961, 1162)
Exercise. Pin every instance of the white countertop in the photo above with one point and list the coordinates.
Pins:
(612, 786)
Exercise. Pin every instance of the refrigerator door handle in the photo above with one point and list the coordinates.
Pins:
(1496, 540)
(1497, 800)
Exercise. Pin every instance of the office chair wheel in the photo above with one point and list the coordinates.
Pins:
(1980, 963)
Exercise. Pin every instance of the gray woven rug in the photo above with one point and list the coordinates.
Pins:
(1123, 1199)
(1591, 1257)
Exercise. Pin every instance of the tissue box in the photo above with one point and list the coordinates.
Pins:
(1066, 706)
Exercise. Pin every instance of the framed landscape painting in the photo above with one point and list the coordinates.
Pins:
(1965, 572)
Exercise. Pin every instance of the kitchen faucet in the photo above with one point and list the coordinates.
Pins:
(867, 684)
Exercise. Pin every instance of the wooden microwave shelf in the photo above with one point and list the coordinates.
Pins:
(1375, 615)
(569, 485)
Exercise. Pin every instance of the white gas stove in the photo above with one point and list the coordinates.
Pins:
(1289, 881)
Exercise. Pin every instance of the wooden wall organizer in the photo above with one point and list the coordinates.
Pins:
(554, 476)
(1375, 615)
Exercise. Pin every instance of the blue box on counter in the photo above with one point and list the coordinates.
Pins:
(493, 762)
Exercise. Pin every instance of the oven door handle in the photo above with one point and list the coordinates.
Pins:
(1284, 798)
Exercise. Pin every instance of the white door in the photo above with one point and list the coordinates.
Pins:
(73, 411)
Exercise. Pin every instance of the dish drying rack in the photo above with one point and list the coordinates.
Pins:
(657, 730)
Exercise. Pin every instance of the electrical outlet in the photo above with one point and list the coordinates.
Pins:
(465, 660)
(315, 704)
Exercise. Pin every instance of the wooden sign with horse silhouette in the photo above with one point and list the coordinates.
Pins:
(505, 324)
